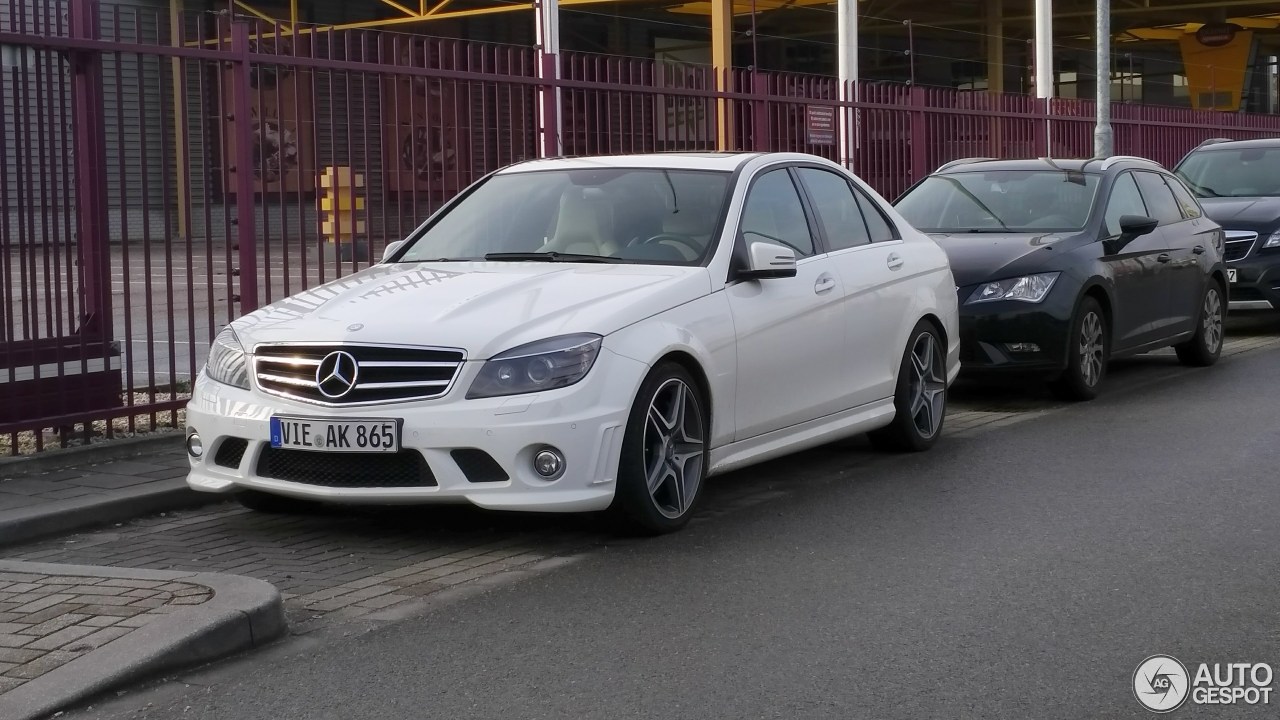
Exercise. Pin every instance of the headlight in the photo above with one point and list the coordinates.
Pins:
(544, 365)
(1273, 241)
(1029, 288)
(227, 362)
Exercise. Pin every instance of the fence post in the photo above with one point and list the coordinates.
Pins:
(1040, 134)
(762, 129)
(245, 219)
(919, 133)
(90, 174)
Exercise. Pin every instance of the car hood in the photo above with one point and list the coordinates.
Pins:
(483, 308)
(1235, 212)
(980, 257)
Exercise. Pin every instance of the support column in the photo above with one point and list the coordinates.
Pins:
(179, 120)
(547, 32)
(847, 49)
(722, 66)
(1044, 49)
(92, 232)
(995, 46)
(1103, 139)
(246, 196)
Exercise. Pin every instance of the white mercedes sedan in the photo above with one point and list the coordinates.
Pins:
(590, 334)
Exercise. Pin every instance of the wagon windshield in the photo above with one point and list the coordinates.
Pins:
(1254, 172)
(1001, 201)
(635, 215)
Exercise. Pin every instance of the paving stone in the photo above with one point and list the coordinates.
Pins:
(94, 590)
(17, 656)
(99, 638)
(54, 625)
(15, 589)
(104, 599)
(112, 482)
(50, 613)
(131, 583)
(9, 628)
(60, 638)
(19, 577)
(99, 621)
(383, 601)
(15, 641)
(42, 665)
(7, 684)
(136, 621)
(44, 602)
(113, 610)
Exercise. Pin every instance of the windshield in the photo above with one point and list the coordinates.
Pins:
(1254, 172)
(637, 215)
(1001, 201)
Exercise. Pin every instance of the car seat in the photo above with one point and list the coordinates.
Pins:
(584, 224)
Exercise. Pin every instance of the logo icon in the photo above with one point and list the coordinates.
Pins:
(336, 374)
(1161, 683)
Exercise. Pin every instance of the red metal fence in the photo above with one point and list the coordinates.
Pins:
(161, 176)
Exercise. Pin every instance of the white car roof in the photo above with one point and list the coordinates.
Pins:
(726, 162)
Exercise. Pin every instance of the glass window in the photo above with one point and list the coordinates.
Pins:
(638, 215)
(1125, 200)
(1001, 201)
(774, 214)
(837, 210)
(1190, 208)
(877, 224)
(1251, 172)
(1158, 198)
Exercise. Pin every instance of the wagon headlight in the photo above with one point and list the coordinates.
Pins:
(1273, 241)
(228, 363)
(1029, 288)
(544, 365)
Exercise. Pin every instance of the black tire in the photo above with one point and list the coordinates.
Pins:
(274, 504)
(920, 397)
(1205, 347)
(635, 508)
(1083, 380)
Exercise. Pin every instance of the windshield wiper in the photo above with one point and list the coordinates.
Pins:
(976, 231)
(960, 186)
(1204, 191)
(547, 257)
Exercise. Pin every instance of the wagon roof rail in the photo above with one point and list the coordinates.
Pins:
(962, 161)
(1108, 162)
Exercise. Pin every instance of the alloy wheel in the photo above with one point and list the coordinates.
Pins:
(928, 385)
(674, 447)
(1091, 349)
(1212, 320)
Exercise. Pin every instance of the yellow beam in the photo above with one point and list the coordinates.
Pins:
(255, 12)
(293, 15)
(401, 8)
(722, 65)
(438, 7)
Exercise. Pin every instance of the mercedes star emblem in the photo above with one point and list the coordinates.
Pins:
(336, 374)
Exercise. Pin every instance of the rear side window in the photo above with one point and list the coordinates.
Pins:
(834, 202)
(877, 224)
(1159, 198)
(1190, 208)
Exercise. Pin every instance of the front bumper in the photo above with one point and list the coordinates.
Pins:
(1257, 283)
(991, 332)
(585, 421)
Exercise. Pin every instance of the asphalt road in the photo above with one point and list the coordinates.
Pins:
(1021, 573)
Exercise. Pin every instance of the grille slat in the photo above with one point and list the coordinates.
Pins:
(404, 469)
(385, 373)
(1238, 245)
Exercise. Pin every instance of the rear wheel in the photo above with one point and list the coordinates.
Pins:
(664, 454)
(1205, 347)
(1088, 350)
(921, 395)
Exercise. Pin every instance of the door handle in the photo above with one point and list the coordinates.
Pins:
(1163, 257)
(825, 284)
(894, 261)
(1199, 249)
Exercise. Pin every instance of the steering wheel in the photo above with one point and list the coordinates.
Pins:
(799, 253)
(681, 239)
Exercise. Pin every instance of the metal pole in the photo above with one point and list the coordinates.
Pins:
(1103, 138)
(847, 42)
(1044, 49)
(547, 28)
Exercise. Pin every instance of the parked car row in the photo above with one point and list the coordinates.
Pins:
(602, 334)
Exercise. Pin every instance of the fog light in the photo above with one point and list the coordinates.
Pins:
(195, 447)
(1023, 347)
(548, 463)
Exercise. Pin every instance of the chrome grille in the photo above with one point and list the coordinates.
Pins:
(1239, 244)
(383, 373)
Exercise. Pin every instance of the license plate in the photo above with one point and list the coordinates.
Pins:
(369, 436)
(1231, 274)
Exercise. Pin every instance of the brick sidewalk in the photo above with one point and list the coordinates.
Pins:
(47, 621)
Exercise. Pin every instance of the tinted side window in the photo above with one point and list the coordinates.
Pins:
(1190, 208)
(1159, 198)
(877, 224)
(774, 213)
(1125, 200)
(837, 210)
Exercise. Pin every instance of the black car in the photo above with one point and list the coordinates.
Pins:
(1238, 183)
(1064, 264)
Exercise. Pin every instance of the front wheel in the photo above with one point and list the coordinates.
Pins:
(1088, 349)
(1205, 347)
(664, 454)
(921, 395)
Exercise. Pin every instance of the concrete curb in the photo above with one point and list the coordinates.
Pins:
(61, 516)
(81, 455)
(244, 613)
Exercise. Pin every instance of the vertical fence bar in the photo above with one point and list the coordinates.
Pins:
(247, 236)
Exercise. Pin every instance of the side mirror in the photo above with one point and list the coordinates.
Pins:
(1131, 228)
(391, 249)
(767, 260)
